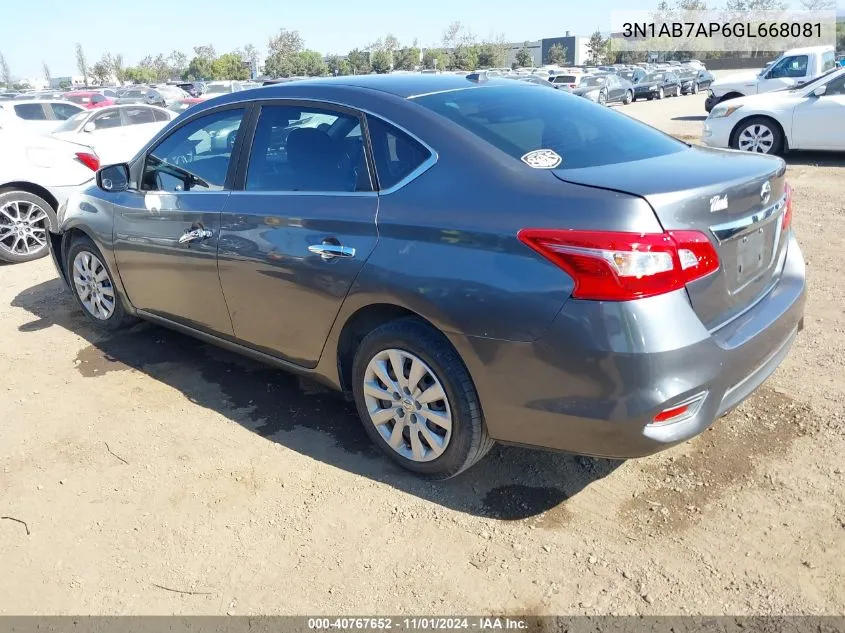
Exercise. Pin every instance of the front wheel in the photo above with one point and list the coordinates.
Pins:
(24, 221)
(92, 285)
(677, 91)
(629, 97)
(695, 89)
(660, 93)
(602, 98)
(417, 401)
(758, 134)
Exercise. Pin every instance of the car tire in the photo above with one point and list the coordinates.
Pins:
(87, 270)
(695, 88)
(629, 97)
(425, 355)
(602, 98)
(660, 93)
(677, 91)
(758, 134)
(24, 216)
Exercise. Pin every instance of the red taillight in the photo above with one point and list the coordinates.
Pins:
(616, 266)
(786, 222)
(573, 85)
(89, 160)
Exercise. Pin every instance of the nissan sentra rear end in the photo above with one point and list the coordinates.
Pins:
(670, 322)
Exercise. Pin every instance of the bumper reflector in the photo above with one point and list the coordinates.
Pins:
(681, 411)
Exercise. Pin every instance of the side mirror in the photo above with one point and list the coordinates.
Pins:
(89, 127)
(113, 178)
(818, 92)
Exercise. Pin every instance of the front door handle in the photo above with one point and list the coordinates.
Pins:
(328, 251)
(195, 235)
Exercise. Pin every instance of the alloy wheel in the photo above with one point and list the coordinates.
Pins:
(756, 138)
(602, 98)
(695, 88)
(660, 93)
(23, 228)
(93, 285)
(408, 405)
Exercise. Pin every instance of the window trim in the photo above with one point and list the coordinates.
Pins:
(136, 165)
(243, 163)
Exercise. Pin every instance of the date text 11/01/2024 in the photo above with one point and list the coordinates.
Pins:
(417, 624)
(721, 29)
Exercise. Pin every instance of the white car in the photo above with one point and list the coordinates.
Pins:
(809, 117)
(37, 174)
(35, 114)
(115, 133)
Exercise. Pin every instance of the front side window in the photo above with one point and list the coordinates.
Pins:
(518, 121)
(395, 153)
(194, 157)
(31, 112)
(98, 98)
(837, 86)
(790, 67)
(310, 149)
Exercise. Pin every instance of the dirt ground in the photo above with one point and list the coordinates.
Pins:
(146, 464)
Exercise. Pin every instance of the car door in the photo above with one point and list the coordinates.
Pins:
(167, 226)
(298, 228)
(783, 74)
(819, 122)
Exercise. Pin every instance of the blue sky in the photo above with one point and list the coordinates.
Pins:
(36, 30)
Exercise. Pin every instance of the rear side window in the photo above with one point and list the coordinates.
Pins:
(108, 120)
(138, 116)
(160, 116)
(519, 120)
(63, 111)
(395, 153)
(31, 112)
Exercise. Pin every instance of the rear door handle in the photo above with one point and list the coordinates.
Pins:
(329, 251)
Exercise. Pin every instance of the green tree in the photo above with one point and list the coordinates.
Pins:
(199, 68)
(311, 64)
(286, 43)
(596, 48)
(5, 73)
(81, 63)
(381, 61)
(465, 58)
(177, 62)
(205, 52)
(45, 70)
(436, 58)
(229, 66)
(490, 55)
(279, 65)
(557, 55)
(139, 75)
(336, 65)
(406, 58)
(840, 35)
(359, 62)
(523, 57)
(118, 68)
(101, 71)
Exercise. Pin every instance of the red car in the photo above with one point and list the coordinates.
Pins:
(89, 99)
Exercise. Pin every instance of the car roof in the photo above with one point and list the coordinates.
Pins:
(808, 49)
(399, 85)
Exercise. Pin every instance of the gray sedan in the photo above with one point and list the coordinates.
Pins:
(470, 260)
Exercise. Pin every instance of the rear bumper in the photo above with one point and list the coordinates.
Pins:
(595, 381)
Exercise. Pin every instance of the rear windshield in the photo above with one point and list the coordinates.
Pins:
(519, 120)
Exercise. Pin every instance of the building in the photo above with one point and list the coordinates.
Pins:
(575, 45)
(58, 83)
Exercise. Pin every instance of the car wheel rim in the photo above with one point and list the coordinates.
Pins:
(23, 228)
(93, 285)
(660, 94)
(408, 405)
(756, 138)
(695, 88)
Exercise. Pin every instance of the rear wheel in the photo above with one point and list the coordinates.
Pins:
(417, 401)
(92, 285)
(695, 88)
(677, 91)
(758, 134)
(24, 221)
(660, 93)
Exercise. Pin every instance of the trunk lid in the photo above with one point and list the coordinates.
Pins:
(723, 195)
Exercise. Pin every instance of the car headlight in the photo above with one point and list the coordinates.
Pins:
(723, 111)
(709, 93)
(654, 88)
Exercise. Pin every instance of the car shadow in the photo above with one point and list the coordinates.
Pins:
(509, 484)
(691, 117)
(815, 159)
